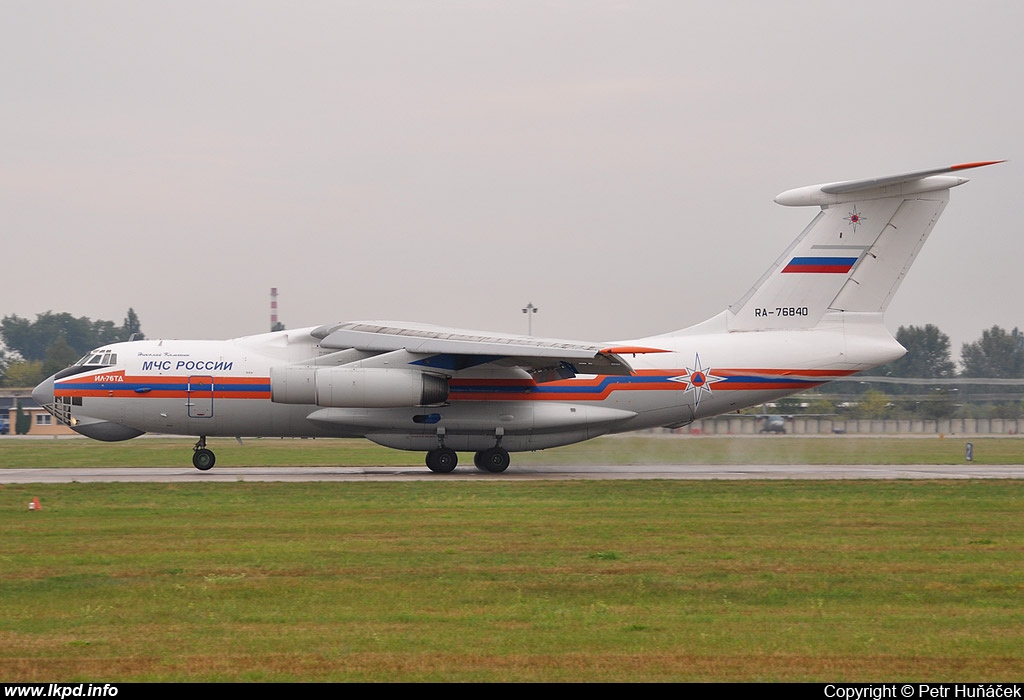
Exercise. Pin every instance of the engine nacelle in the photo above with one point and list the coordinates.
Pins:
(356, 387)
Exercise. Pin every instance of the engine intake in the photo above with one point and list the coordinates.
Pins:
(356, 387)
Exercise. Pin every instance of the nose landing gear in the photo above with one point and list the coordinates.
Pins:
(202, 458)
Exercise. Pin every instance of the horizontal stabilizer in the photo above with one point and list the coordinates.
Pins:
(873, 188)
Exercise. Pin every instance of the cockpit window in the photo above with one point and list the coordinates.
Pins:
(92, 361)
(97, 359)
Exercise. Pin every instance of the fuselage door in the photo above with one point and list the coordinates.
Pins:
(200, 396)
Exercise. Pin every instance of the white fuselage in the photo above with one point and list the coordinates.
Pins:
(224, 388)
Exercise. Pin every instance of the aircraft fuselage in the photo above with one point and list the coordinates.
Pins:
(227, 388)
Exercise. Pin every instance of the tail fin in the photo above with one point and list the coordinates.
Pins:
(854, 254)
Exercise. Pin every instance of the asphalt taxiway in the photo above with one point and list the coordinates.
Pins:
(515, 473)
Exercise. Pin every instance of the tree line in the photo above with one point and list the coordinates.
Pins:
(33, 350)
(901, 389)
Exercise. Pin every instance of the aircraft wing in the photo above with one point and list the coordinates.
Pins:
(532, 354)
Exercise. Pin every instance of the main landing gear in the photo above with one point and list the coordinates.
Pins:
(494, 460)
(202, 458)
(444, 460)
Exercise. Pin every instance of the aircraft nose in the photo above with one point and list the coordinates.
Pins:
(43, 394)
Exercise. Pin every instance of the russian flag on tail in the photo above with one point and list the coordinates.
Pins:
(820, 264)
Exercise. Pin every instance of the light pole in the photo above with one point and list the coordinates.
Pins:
(529, 310)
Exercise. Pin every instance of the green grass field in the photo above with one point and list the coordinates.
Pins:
(768, 449)
(510, 581)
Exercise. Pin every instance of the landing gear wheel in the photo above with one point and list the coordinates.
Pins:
(442, 460)
(203, 459)
(494, 460)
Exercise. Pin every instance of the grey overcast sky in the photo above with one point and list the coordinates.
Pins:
(447, 162)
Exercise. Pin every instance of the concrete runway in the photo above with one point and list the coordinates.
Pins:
(515, 473)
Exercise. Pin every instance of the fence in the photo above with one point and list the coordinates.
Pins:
(749, 425)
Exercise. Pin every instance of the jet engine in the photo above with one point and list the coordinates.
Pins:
(356, 387)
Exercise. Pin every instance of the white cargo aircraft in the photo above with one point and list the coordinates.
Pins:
(815, 315)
